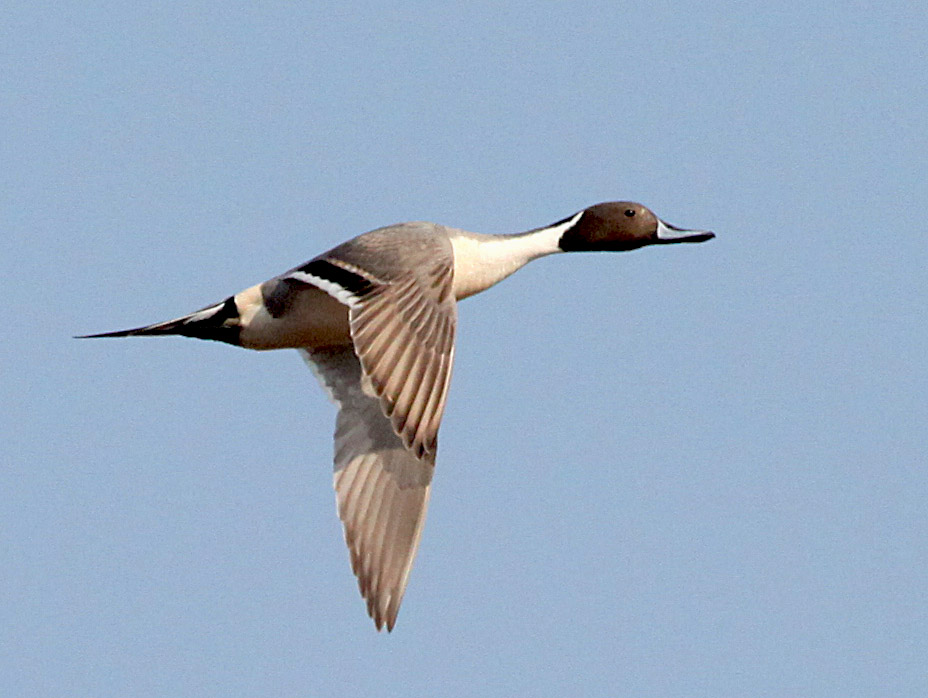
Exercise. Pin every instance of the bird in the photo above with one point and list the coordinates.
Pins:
(375, 317)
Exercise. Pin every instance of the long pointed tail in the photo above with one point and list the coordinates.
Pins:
(218, 322)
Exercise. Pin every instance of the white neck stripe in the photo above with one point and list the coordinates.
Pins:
(550, 237)
(483, 260)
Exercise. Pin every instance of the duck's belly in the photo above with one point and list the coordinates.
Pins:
(291, 318)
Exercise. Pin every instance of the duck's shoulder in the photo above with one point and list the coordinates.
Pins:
(394, 251)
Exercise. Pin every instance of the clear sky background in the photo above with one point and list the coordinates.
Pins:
(683, 471)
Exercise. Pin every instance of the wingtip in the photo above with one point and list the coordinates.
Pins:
(378, 621)
(382, 623)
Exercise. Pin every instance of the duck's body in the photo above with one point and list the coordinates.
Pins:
(375, 318)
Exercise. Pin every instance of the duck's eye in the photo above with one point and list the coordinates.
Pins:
(629, 212)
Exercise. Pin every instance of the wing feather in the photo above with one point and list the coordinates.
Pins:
(408, 319)
(382, 489)
(390, 385)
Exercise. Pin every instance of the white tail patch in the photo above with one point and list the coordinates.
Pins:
(205, 314)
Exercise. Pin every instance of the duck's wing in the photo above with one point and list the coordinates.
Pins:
(390, 385)
(402, 316)
(382, 489)
(404, 337)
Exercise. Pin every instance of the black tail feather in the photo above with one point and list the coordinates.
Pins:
(170, 327)
(218, 322)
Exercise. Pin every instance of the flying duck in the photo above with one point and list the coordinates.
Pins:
(375, 319)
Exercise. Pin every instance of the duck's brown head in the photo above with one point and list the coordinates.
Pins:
(617, 226)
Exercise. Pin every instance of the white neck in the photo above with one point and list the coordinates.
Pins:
(483, 260)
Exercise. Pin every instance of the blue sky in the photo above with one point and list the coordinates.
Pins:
(693, 470)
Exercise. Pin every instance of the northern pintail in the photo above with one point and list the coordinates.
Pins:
(375, 319)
